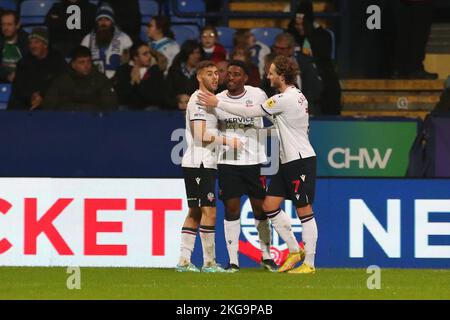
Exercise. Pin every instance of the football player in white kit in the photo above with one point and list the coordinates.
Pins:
(240, 171)
(199, 170)
(295, 179)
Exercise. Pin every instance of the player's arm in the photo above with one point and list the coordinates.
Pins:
(211, 100)
(200, 133)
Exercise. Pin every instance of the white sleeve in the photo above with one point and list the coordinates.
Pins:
(196, 111)
(86, 40)
(242, 110)
(127, 43)
(275, 105)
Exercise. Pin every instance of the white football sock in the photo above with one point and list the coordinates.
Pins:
(282, 224)
(263, 228)
(309, 235)
(232, 232)
(188, 236)
(207, 235)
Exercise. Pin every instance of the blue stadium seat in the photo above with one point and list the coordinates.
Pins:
(149, 8)
(144, 36)
(34, 11)
(188, 6)
(8, 4)
(5, 92)
(226, 35)
(266, 35)
(185, 32)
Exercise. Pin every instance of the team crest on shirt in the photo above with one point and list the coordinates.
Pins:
(248, 103)
(198, 179)
(303, 177)
(211, 197)
(270, 103)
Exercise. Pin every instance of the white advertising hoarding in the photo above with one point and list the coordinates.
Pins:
(91, 222)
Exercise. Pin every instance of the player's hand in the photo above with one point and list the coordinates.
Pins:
(208, 99)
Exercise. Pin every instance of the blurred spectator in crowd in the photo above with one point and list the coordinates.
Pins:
(183, 102)
(181, 79)
(162, 38)
(140, 84)
(317, 42)
(62, 38)
(81, 87)
(108, 44)
(35, 72)
(265, 83)
(444, 102)
(214, 51)
(127, 15)
(414, 24)
(241, 53)
(258, 50)
(309, 81)
(222, 67)
(13, 45)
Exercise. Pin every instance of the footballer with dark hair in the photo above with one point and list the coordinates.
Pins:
(240, 171)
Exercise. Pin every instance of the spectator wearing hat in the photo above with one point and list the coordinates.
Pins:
(62, 38)
(35, 71)
(13, 45)
(127, 16)
(108, 44)
(140, 83)
(81, 87)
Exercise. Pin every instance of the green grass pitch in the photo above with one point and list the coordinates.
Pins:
(140, 283)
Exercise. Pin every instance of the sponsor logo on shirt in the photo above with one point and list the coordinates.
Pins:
(270, 103)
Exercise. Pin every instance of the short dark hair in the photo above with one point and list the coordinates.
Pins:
(134, 50)
(163, 23)
(80, 52)
(287, 68)
(205, 64)
(11, 13)
(240, 64)
(209, 27)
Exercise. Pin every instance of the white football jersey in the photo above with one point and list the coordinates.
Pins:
(289, 113)
(196, 153)
(246, 129)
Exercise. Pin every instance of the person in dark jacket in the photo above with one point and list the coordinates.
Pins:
(309, 80)
(128, 16)
(317, 43)
(140, 83)
(35, 72)
(182, 79)
(81, 87)
(62, 38)
(13, 45)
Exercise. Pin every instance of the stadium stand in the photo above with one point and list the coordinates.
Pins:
(8, 4)
(185, 32)
(33, 12)
(184, 6)
(5, 92)
(149, 8)
(226, 35)
(266, 35)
